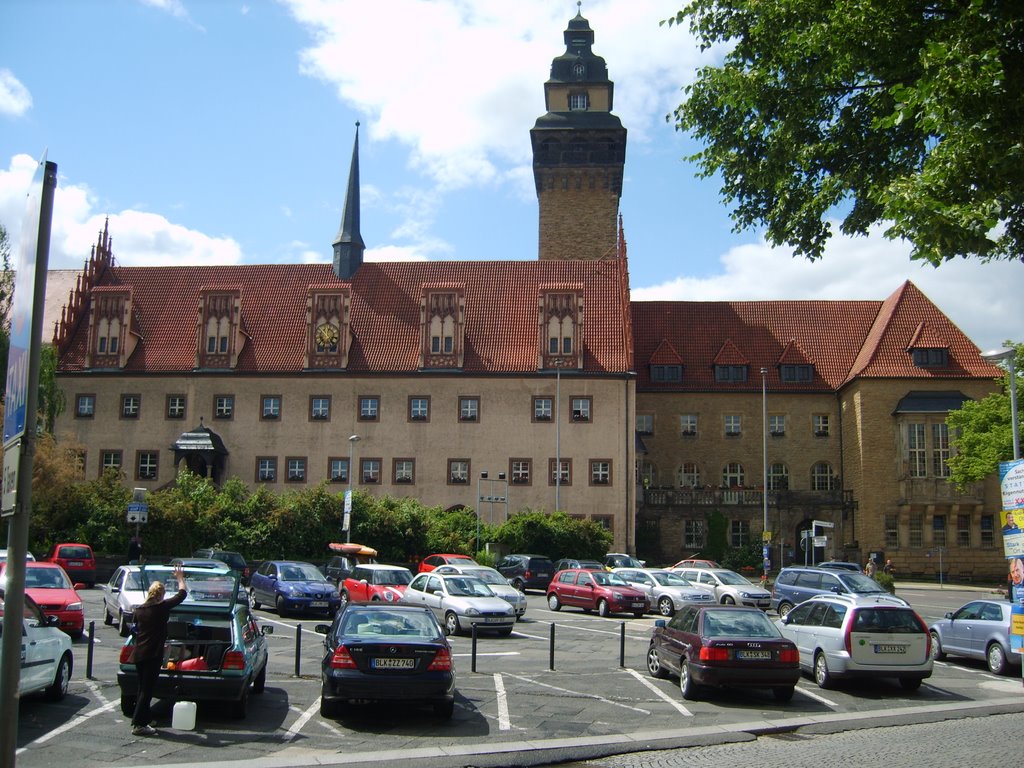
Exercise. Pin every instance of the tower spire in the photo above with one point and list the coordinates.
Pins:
(348, 245)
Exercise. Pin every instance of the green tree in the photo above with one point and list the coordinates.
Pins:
(52, 400)
(6, 298)
(981, 432)
(556, 535)
(901, 113)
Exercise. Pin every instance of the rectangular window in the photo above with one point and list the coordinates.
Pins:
(666, 373)
(581, 408)
(469, 409)
(542, 408)
(740, 533)
(820, 424)
(223, 344)
(176, 405)
(645, 423)
(940, 450)
(266, 469)
(296, 469)
(693, 534)
(939, 530)
(419, 409)
(987, 537)
(337, 469)
(916, 530)
(917, 457)
(270, 408)
(600, 472)
(520, 471)
(565, 473)
(404, 470)
(930, 357)
(110, 460)
(733, 425)
(688, 425)
(369, 410)
(458, 471)
(963, 530)
(223, 406)
(320, 408)
(730, 373)
(605, 521)
(792, 374)
(85, 406)
(146, 465)
(130, 406)
(776, 425)
(892, 532)
(369, 471)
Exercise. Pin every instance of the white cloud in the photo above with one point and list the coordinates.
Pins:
(982, 299)
(15, 99)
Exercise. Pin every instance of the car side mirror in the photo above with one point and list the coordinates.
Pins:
(53, 621)
(115, 590)
(268, 629)
(364, 581)
(785, 619)
(660, 623)
(839, 590)
(949, 614)
(81, 585)
(320, 629)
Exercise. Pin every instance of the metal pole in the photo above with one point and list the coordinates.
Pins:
(298, 647)
(89, 650)
(352, 440)
(473, 655)
(764, 466)
(551, 648)
(622, 644)
(558, 432)
(1013, 407)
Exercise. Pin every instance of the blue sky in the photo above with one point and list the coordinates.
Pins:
(220, 132)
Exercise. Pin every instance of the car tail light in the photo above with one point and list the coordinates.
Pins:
(233, 660)
(342, 659)
(714, 654)
(927, 635)
(848, 635)
(126, 654)
(789, 656)
(442, 661)
(527, 575)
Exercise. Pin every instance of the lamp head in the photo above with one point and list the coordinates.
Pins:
(999, 355)
(354, 438)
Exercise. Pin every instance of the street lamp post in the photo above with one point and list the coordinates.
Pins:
(352, 440)
(764, 469)
(558, 363)
(1009, 356)
(479, 501)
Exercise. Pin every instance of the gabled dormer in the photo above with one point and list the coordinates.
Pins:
(443, 325)
(328, 334)
(220, 338)
(731, 365)
(560, 326)
(928, 348)
(795, 367)
(665, 365)
(111, 341)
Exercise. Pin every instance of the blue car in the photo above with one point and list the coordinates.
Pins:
(293, 587)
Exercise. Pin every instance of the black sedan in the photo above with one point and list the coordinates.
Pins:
(724, 646)
(376, 652)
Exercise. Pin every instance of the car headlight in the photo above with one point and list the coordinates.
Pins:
(472, 612)
(73, 607)
(747, 595)
(389, 596)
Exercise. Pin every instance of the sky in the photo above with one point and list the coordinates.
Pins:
(221, 132)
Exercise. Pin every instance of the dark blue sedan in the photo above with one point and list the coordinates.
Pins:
(293, 587)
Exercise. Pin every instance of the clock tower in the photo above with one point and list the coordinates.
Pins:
(579, 150)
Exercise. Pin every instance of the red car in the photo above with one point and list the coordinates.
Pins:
(430, 562)
(49, 586)
(371, 582)
(600, 591)
(77, 559)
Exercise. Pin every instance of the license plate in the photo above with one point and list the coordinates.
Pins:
(890, 649)
(393, 663)
(753, 655)
(497, 619)
(638, 605)
(75, 562)
(318, 604)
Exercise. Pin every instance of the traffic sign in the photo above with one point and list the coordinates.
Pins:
(766, 536)
(138, 512)
(820, 541)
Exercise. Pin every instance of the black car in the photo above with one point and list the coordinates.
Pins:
(383, 652)
(233, 560)
(338, 568)
(527, 571)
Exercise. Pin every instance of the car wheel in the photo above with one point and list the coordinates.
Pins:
(451, 623)
(444, 709)
(122, 624)
(910, 683)
(686, 685)
(241, 707)
(728, 600)
(783, 693)
(281, 611)
(937, 652)
(329, 708)
(654, 664)
(519, 584)
(59, 687)
(602, 608)
(553, 602)
(108, 620)
(784, 609)
(253, 602)
(128, 705)
(821, 674)
(260, 683)
(665, 606)
(996, 659)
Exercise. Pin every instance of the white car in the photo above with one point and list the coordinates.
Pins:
(666, 591)
(46, 658)
(460, 602)
(499, 584)
(729, 587)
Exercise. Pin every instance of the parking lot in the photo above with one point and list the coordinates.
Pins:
(513, 696)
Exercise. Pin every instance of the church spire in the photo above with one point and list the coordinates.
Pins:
(348, 245)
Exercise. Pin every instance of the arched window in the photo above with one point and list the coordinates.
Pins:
(822, 478)
(732, 474)
(778, 477)
(646, 470)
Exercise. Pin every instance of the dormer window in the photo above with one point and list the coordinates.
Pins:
(327, 310)
(796, 374)
(578, 102)
(731, 373)
(666, 373)
(111, 342)
(221, 338)
(930, 357)
(443, 319)
(561, 318)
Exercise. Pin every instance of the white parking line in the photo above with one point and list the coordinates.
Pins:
(660, 693)
(816, 697)
(504, 724)
(293, 731)
(68, 726)
(495, 653)
(578, 693)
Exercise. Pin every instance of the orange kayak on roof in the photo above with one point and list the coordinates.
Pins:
(352, 549)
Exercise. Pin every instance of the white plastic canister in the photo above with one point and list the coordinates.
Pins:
(184, 717)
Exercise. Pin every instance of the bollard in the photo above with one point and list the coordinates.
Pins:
(622, 644)
(551, 651)
(89, 650)
(298, 647)
(473, 666)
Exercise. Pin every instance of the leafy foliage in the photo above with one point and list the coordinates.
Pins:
(906, 114)
(555, 535)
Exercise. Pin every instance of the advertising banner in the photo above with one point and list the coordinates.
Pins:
(1011, 484)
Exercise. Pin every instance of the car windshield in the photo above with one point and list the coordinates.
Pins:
(669, 579)
(46, 578)
(387, 577)
(300, 572)
(75, 553)
(488, 576)
(897, 620)
(133, 582)
(463, 586)
(384, 623)
(607, 579)
(733, 623)
(861, 584)
(233, 559)
(732, 579)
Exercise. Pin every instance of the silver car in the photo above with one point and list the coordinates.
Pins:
(461, 602)
(729, 587)
(978, 630)
(499, 584)
(666, 591)
(127, 587)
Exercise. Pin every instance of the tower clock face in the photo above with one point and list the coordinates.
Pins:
(326, 335)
